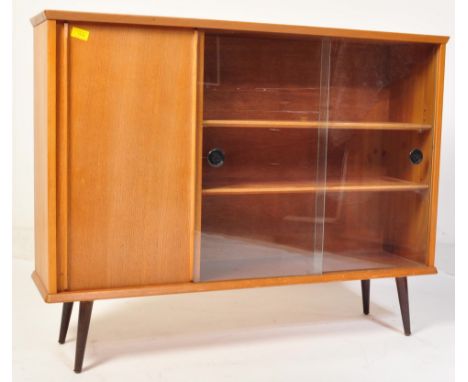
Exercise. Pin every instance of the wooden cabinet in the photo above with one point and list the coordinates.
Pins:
(177, 155)
(130, 208)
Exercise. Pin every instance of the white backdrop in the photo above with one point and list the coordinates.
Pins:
(411, 16)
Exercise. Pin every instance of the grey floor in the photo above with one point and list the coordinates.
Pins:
(303, 333)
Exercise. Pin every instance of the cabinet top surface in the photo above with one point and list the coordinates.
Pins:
(233, 26)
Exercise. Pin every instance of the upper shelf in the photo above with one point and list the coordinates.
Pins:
(264, 124)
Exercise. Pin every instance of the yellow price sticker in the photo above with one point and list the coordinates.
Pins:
(80, 34)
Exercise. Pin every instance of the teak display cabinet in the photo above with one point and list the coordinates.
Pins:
(181, 155)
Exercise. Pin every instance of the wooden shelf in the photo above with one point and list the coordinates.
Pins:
(264, 124)
(370, 185)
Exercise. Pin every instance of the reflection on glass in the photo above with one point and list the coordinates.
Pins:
(316, 173)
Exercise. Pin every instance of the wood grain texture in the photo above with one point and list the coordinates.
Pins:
(198, 157)
(257, 124)
(435, 169)
(411, 82)
(260, 155)
(276, 156)
(131, 156)
(233, 258)
(119, 163)
(402, 92)
(365, 222)
(62, 156)
(154, 290)
(232, 25)
(361, 185)
(194, 183)
(251, 76)
(261, 222)
(413, 100)
(45, 154)
(379, 82)
(278, 227)
(358, 81)
(380, 99)
(40, 285)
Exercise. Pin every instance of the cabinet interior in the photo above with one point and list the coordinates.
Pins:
(255, 77)
(316, 135)
(273, 234)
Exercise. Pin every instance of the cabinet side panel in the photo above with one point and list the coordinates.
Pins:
(198, 156)
(62, 154)
(44, 154)
(412, 99)
(131, 137)
(439, 93)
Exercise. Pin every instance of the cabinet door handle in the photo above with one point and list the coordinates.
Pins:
(416, 156)
(216, 157)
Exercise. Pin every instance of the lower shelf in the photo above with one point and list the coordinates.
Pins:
(361, 185)
(233, 259)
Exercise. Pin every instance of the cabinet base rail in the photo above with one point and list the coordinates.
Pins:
(86, 307)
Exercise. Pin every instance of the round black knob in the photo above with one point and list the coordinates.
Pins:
(216, 157)
(416, 156)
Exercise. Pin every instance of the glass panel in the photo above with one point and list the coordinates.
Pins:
(379, 155)
(264, 155)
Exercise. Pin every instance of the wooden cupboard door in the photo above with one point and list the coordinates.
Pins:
(130, 137)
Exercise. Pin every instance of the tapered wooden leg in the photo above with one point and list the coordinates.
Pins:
(402, 287)
(86, 307)
(365, 288)
(66, 314)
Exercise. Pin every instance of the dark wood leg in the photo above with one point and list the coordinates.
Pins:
(365, 288)
(86, 307)
(66, 314)
(402, 288)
